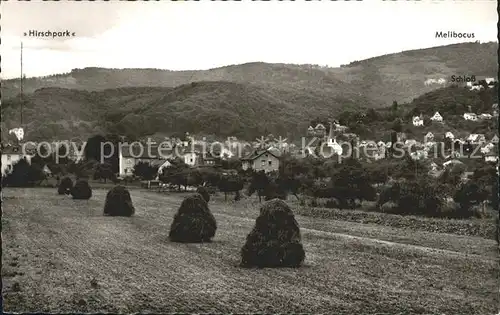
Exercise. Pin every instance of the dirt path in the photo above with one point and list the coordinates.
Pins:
(62, 255)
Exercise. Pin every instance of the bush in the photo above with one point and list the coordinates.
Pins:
(118, 202)
(275, 239)
(193, 222)
(81, 190)
(389, 207)
(332, 203)
(65, 186)
(204, 193)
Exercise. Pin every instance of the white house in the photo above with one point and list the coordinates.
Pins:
(470, 116)
(437, 117)
(486, 116)
(487, 148)
(18, 132)
(476, 87)
(429, 137)
(130, 155)
(418, 121)
(191, 158)
(476, 138)
(449, 135)
(491, 157)
(489, 80)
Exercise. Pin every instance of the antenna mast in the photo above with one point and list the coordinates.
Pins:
(22, 98)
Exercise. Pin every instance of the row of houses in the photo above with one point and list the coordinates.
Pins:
(490, 82)
(437, 117)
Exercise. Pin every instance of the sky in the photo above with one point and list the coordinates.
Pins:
(202, 35)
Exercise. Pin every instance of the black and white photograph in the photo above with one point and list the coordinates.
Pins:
(250, 157)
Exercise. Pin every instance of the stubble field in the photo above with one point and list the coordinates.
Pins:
(62, 255)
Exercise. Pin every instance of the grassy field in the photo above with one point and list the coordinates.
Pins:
(61, 255)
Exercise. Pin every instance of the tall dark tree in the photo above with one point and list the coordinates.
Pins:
(92, 149)
(104, 172)
(394, 106)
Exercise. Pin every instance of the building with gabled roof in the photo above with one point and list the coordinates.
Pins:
(262, 160)
(437, 117)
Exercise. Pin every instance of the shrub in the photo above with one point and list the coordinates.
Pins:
(81, 190)
(118, 202)
(389, 207)
(204, 193)
(193, 222)
(65, 186)
(275, 239)
(332, 203)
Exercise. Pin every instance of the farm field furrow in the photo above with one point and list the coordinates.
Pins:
(61, 255)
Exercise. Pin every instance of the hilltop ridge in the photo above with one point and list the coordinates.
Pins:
(244, 100)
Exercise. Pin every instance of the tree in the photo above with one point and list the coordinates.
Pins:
(351, 182)
(372, 116)
(92, 150)
(231, 184)
(104, 171)
(175, 174)
(394, 106)
(144, 170)
(24, 175)
(259, 184)
(468, 195)
(397, 125)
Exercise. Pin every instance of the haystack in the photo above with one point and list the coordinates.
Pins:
(65, 186)
(275, 239)
(204, 193)
(119, 202)
(81, 190)
(193, 222)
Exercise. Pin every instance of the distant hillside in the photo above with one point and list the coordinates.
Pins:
(245, 100)
(382, 79)
(217, 108)
(401, 76)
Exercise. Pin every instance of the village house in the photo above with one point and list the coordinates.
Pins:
(262, 160)
(192, 157)
(485, 149)
(470, 116)
(320, 130)
(449, 135)
(490, 82)
(476, 138)
(491, 157)
(494, 139)
(131, 155)
(418, 120)
(429, 137)
(486, 116)
(476, 87)
(437, 117)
